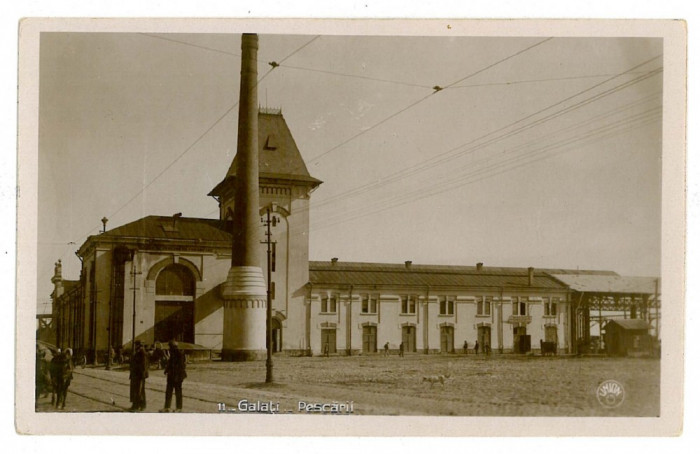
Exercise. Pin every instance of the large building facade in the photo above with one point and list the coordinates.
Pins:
(160, 278)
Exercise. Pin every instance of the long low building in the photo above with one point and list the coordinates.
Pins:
(160, 278)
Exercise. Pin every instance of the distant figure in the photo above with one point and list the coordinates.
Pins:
(401, 349)
(487, 349)
(158, 357)
(476, 347)
(175, 370)
(466, 348)
(119, 355)
(138, 373)
(326, 349)
(386, 349)
(111, 355)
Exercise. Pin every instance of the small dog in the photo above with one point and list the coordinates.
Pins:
(432, 379)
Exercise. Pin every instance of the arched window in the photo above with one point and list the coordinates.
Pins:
(174, 310)
(175, 280)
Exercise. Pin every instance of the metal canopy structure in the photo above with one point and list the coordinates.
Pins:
(626, 296)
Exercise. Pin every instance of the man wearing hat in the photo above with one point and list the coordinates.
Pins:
(138, 373)
(175, 370)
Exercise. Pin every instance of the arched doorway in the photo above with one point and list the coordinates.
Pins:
(174, 312)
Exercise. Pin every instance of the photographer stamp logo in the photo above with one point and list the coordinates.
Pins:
(610, 394)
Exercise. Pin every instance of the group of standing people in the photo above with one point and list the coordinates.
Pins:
(54, 376)
(174, 368)
(486, 349)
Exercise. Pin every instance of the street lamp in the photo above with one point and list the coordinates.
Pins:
(270, 221)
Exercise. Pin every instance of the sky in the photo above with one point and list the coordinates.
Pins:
(511, 151)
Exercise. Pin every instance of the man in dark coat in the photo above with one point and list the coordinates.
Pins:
(61, 375)
(138, 373)
(175, 370)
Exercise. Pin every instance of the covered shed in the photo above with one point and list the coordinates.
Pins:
(629, 337)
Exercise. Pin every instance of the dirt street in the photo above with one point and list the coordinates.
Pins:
(470, 386)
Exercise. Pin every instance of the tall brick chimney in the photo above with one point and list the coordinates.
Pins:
(245, 291)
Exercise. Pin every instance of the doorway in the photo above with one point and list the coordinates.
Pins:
(520, 337)
(484, 337)
(369, 339)
(408, 337)
(447, 339)
(174, 320)
(276, 335)
(328, 341)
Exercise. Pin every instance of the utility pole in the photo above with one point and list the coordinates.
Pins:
(133, 312)
(656, 303)
(500, 323)
(270, 221)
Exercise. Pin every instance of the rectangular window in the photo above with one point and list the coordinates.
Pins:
(519, 306)
(483, 306)
(373, 304)
(408, 304)
(550, 307)
(447, 305)
(329, 305)
(369, 304)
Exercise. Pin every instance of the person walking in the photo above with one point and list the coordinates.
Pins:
(466, 348)
(138, 373)
(401, 349)
(476, 347)
(175, 370)
(386, 349)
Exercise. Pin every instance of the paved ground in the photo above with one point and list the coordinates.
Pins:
(474, 386)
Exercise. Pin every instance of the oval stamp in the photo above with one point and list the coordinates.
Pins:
(610, 393)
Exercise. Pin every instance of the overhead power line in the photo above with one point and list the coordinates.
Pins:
(493, 169)
(191, 146)
(411, 171)
(185, 43)
(355, 76)
(415, 103)
(455, 152)
(458, 174)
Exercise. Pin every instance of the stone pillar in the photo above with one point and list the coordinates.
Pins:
(245, 291)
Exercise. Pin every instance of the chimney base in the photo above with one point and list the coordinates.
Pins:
(245, 315)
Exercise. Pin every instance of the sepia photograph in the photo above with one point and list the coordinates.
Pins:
(244, 220)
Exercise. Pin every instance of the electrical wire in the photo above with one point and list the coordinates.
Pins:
(415, 103)
(192, 145)
(190, 44)
(421, 193)
(448, 183)
(450, 154)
